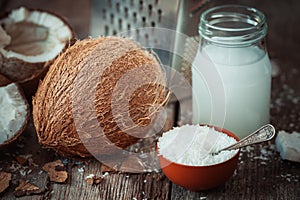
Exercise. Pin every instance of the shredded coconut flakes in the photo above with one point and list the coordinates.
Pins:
(193, 144)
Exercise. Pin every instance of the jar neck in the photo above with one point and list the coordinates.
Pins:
(232, 26)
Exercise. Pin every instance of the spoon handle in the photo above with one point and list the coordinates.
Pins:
(265, 133)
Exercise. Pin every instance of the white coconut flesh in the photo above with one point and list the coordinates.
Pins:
(13, 112)
(33, 36)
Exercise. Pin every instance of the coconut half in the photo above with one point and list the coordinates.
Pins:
(14, 112)
(29, 41)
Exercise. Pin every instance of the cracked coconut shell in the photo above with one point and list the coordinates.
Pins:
(29, 41)
(83, 104)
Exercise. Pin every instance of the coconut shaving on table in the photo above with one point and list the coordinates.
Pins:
(193, 145)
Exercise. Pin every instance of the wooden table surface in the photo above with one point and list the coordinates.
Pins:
(261, 173)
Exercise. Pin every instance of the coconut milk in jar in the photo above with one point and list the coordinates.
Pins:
(231, 73)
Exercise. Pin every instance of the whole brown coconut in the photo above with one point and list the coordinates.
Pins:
(99, 93)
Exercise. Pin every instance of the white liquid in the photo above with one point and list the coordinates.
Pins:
(231, 88)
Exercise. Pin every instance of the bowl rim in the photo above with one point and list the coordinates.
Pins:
(222, 130)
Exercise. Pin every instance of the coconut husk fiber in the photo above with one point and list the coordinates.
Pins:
(100, 95)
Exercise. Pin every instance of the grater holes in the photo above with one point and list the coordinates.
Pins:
(141, 4)
(120, 23)
(114, 32)
(128, 26)
(153, 24)
(137, 33)
(134, 16)
(144, 20)
(159, 11)
(112, 18)
(150, 7)
(104, 13)
(109, 3)
(156, 2)
(126, 11)
(118, 6)
(106, 28)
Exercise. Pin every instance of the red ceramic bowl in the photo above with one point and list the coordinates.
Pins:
(196, 178)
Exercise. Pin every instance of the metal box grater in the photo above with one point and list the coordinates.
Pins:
(135, 18)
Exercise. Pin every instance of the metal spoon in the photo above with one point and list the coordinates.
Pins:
(265, 133)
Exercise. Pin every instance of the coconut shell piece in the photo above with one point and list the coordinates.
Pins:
(56, 171)
(4, 180)
(4, 81)
(29, 41)
(105, 168)
(74, 119)
(26, 188)
(14, 112)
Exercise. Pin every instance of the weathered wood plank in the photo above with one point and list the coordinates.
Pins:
(118, 185)
(135, 186)
(76, 186)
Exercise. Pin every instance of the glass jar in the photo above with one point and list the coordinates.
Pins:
(231, 73)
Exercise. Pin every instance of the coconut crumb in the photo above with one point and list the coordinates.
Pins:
(266, 152)
(4, 180)
(92, 179)
(80, 170)
(289, 177)
(275, 68)
(15, 166)
(22, 159)
(105, 174)
(23, 172)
